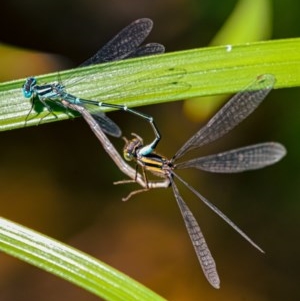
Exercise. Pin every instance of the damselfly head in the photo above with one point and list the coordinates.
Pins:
(28, 87)
(131, 147)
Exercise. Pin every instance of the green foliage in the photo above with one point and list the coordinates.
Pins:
(70, 264)
(162, 78)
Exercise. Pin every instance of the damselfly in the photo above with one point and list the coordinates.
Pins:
(246, 158)
(126, 44)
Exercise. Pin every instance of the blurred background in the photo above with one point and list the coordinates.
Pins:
(56, 179)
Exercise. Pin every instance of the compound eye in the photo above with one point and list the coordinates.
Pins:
(27, 94)
(127, 156)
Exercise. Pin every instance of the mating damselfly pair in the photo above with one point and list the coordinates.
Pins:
(127, 44)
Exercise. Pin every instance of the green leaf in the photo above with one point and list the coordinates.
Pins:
(249, 22)
(70, 264)
(162, 78)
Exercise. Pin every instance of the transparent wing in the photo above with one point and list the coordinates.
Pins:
(241, 159)
(123, 44)
(203, 253)
(148, 49)
(107, 125)
(218, 212)
(231, 114)
(162, 82)
(126, 44)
